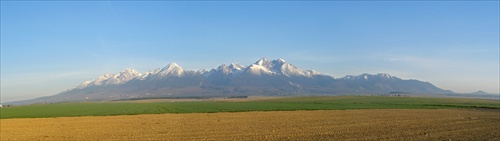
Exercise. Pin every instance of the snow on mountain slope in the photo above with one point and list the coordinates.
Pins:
(257, 69)
(264, 77)
(236, 68)
(280, 67)
(366, 77)
(222, 73)
(264, 62)
(84, 84)
(112, 79)
(124, 76)
(262, 66)
(232, 70)
(171, 69)
(149, 74)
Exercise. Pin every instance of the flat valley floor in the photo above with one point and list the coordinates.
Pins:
(387, 124)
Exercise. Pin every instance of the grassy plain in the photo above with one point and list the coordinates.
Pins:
(213, 106)
(373, 124)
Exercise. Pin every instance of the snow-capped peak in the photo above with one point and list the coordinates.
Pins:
(223, 68)
(129, 71)
(263, 62)
(280, 67)
(385, 75)
(313, 72)
(172, 65)
(232, 68)
(262, 66)
(258, 69)
(201, 71)
(112, 79)
(236, 66)
(152, 72)
(171, 69)
(124, 76)
(290, 70)
(281, 60)
(366, 76)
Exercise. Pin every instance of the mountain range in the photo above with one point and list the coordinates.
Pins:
(264, 77)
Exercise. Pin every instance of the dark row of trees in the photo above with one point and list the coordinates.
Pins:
(230, 97)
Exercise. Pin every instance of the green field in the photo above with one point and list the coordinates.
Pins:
(281, 104)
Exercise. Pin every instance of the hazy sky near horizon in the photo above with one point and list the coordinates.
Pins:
(51, 46)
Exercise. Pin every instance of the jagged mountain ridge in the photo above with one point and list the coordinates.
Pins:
(261, 67)
(264, 77)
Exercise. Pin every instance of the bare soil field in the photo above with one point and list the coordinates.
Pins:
(387, 124)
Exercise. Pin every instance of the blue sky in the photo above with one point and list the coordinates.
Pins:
(48, 47)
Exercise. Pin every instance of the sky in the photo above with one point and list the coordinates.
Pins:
(51, 46)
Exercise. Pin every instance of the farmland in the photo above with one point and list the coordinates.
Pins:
(289, 118)
(374, 124)
(214, 106)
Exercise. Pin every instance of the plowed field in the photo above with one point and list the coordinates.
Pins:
(387, 124)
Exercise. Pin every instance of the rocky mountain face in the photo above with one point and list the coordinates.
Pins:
(264, 77)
